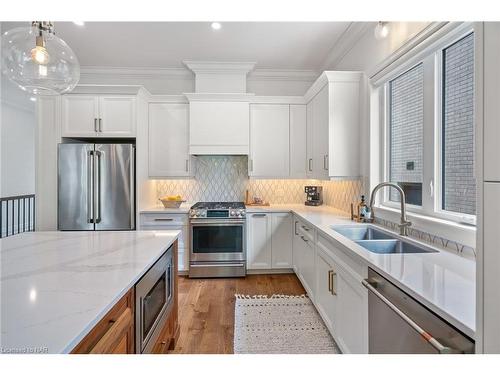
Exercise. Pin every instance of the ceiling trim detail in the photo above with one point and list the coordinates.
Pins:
(96, 72)
(345, 43)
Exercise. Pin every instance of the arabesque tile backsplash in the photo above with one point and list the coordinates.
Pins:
(225, 178)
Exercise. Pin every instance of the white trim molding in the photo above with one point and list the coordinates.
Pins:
(431, 34)
(213, 67)
(345, 43)
(218, 97)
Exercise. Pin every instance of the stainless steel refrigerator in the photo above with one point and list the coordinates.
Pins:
(96, 186)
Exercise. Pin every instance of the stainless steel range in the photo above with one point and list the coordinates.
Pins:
(218, 239)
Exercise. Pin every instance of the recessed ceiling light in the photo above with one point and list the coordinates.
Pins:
(216, 25)
(33, 99)
(79, 23)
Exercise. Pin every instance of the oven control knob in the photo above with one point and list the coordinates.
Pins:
(233, 213)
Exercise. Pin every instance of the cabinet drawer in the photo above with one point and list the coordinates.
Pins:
(114, 333)
(305, 230)
(164, 219)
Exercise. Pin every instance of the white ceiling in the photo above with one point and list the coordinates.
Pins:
(273, 45)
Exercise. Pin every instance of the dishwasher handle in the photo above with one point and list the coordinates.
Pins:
(442, 349)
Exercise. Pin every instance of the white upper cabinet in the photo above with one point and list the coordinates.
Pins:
(168, 140)
(117, 116)
(80, 115)
(333, 126)
(319, 125)
(298, 141)
(269, 141)
(98, 116)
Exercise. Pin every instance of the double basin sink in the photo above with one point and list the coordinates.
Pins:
(379, 241)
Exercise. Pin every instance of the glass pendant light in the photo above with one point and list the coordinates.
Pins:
(38, 61)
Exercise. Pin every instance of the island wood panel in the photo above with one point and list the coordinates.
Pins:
(114, 334)
(206, 309)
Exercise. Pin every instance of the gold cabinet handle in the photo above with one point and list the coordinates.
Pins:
(330, 280)
(334, 291)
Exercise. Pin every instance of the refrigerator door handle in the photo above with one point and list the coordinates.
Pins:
(90, 184)
(97, 195)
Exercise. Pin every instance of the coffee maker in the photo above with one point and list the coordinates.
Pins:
(314, 195)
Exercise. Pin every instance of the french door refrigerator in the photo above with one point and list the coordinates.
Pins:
(96, 186)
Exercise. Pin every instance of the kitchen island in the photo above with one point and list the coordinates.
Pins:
(57, 286)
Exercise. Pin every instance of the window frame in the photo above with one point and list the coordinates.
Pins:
(432, 59)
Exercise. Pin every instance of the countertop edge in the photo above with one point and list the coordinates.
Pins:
(75, 341)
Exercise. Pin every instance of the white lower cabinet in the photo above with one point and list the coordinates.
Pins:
(351, 313)
(341, 299)
(170, 221)
(269, 240)
(326, 299)
(281, 240)
(259, 241)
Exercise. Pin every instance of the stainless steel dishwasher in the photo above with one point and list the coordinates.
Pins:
(398, 324)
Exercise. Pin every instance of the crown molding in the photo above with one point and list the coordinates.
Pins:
(213, 67)
(329, 77)
(107, 89)
(283, 75)
(218, 97)
(96, 73)
(351, 35)
(135, 73)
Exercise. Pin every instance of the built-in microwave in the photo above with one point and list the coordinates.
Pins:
(153, 300)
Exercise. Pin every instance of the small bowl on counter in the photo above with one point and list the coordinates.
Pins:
(167, 203)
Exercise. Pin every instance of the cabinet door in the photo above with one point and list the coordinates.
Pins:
(259, 241)
(320, 134)
(296, 246)
(117, 116)
(281, 240)
(79, 116)
(269, 140)
(298, 141)
(307, 269)
(309, 140)
(326, 299)
(491, 261)
(351, 315)
(169, 140)
(491, 89)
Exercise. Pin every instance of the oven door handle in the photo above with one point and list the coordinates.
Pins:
(442, 349)
(217, 265)
(212, 222)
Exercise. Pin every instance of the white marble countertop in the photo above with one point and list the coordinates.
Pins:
(183, 209)
(55, 286)
(442, 281)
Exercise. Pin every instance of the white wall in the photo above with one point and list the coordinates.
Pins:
(17, 139)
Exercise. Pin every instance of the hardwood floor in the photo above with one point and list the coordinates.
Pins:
(206, 309)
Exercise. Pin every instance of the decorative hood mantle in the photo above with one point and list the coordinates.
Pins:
(219, 112)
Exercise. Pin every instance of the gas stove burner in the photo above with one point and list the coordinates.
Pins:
(219, 205)
(218, 210)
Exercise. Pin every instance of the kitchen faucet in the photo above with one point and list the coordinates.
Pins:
(403, 226)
